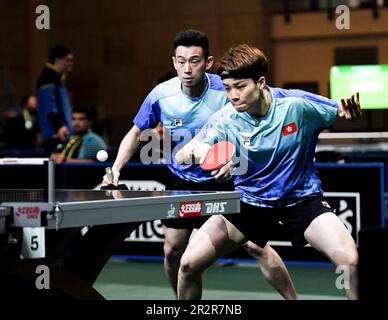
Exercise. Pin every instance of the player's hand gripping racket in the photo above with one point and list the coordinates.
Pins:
(218, 156)
(111, 186)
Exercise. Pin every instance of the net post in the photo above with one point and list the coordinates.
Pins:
(51, 182)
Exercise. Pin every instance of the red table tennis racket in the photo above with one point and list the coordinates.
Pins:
(218, 155)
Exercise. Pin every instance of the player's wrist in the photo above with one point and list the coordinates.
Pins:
(116, 169)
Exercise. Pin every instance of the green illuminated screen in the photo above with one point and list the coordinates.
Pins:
(370, 80)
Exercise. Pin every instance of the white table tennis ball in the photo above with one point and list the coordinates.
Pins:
(102, 155)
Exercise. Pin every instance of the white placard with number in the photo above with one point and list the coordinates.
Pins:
(33, 243)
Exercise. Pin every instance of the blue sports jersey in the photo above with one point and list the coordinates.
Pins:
(167, 103)
(278, 149)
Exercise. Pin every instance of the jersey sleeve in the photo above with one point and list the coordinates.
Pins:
(284, 93)
(149, 113)
(318, 114)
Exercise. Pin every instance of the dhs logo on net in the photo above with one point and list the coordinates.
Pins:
(190, 209)
(215, 207)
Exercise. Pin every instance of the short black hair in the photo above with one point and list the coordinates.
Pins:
(191, 37)
(58, 51)
(85, 110)
(243, 62)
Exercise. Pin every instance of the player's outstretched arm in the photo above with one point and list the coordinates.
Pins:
(350, 108)
(128, 147)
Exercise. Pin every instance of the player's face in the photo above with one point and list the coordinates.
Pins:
(242, 93)
(190, 64)
(81, 124)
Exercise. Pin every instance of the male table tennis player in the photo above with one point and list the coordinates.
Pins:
(183, 105)
(280, 181)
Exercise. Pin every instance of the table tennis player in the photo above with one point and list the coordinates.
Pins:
(183, 105)
(278, 137)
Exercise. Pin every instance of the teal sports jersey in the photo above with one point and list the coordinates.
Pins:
(168, 104)
(275, 93)
(278, 149)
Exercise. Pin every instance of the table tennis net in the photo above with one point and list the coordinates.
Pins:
(22, 195)
(24, 183)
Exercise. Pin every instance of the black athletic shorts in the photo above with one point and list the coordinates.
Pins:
(176, 183)
(258, 224)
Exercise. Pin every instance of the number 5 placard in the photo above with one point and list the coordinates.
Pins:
(33, 243)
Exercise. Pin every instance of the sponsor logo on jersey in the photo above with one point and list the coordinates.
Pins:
(245, 141)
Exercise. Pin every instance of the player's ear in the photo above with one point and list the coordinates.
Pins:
(261, 83)
(209, 62)
(174, 62)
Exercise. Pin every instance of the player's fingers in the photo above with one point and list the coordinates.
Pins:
(346, 109)
(220, 175)
(350, 109)
(115, 176)
(105, 180)
(343, 104)
(342, 108)
(215, 173)
(358, 105)
(225, 171)
(355, 109)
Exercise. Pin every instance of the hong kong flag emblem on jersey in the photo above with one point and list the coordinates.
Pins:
(289, 128)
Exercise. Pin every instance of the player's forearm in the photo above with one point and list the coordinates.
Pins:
(128, 147)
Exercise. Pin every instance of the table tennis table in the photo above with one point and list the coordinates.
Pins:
(76, 258)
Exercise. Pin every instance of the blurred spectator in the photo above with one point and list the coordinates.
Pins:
(21, 129)
(54, 108)
(83, 144)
